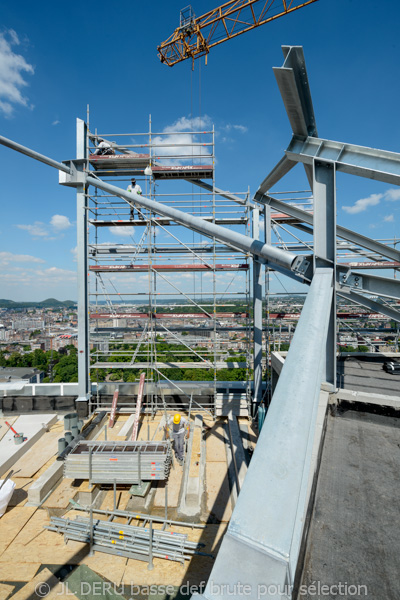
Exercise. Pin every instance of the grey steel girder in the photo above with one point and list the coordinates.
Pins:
(372, 284)
(281, 258)
(349, 294)
(342, 232)
(294, 87)
(371, 163)
(280, 170)
(218, 191)
(71, 176)
(293, 84)
(267, 523)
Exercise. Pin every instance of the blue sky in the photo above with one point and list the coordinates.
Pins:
(57, 58)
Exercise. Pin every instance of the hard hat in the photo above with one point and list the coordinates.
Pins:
(133, 180)
(99, 140)
(177, 419)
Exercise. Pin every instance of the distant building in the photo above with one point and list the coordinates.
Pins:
(28, 324)
(27, 374)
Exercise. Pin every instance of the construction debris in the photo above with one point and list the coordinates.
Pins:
(126, 540)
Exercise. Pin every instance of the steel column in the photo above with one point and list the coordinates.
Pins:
(324, 186)
(82, 272)
(257, 317)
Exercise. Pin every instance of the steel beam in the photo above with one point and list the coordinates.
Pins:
(371, 163)
(267, 523)
(324, 186)
(294, 87)
(372, 284)
(71, 177)
(274, 256)
(342, 232)
(348, 294)
(278, 172)
(218, 191)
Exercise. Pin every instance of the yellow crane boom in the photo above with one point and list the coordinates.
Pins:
(195, 36)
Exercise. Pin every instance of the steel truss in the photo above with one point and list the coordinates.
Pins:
(283, 466)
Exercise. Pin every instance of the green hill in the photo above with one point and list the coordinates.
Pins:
(49, 303)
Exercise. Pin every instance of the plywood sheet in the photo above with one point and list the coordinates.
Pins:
(108, 566)
(62, 494)
(37, 587)
(11, 524)
(25, 571)
(218, 492)
(172, 573)
(215, 443)
(5, 591)
(20, 495)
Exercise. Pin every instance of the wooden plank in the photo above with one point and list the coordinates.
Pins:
(138, 407)
(113, 409)
(39, 454)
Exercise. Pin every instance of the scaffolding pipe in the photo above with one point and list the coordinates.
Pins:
(276, 256)
(282, 258)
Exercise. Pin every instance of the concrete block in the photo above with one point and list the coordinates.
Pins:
(46, 482)
(126, 430)
(33, 427)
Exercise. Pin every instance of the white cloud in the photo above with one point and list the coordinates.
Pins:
(122, 231)
(363, 204)
(388, 218)
(12, 69)
(7, 257)
(74, 252)
(181, 144)
(240, 128)
(393, 194)
(60, 222)
(56, 122)
(55, 275)
(36, 230)
(39, 229)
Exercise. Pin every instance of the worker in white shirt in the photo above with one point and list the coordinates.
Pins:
(103, 148)
(176, 428)
(134, 187)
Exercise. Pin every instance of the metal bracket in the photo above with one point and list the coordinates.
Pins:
(350, 279)
(76, 176)
(301, 265)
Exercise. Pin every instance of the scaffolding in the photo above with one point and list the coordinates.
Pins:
(142, 287)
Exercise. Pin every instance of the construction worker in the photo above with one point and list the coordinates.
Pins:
(176, 428)
(103, 148)
(134, 187)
